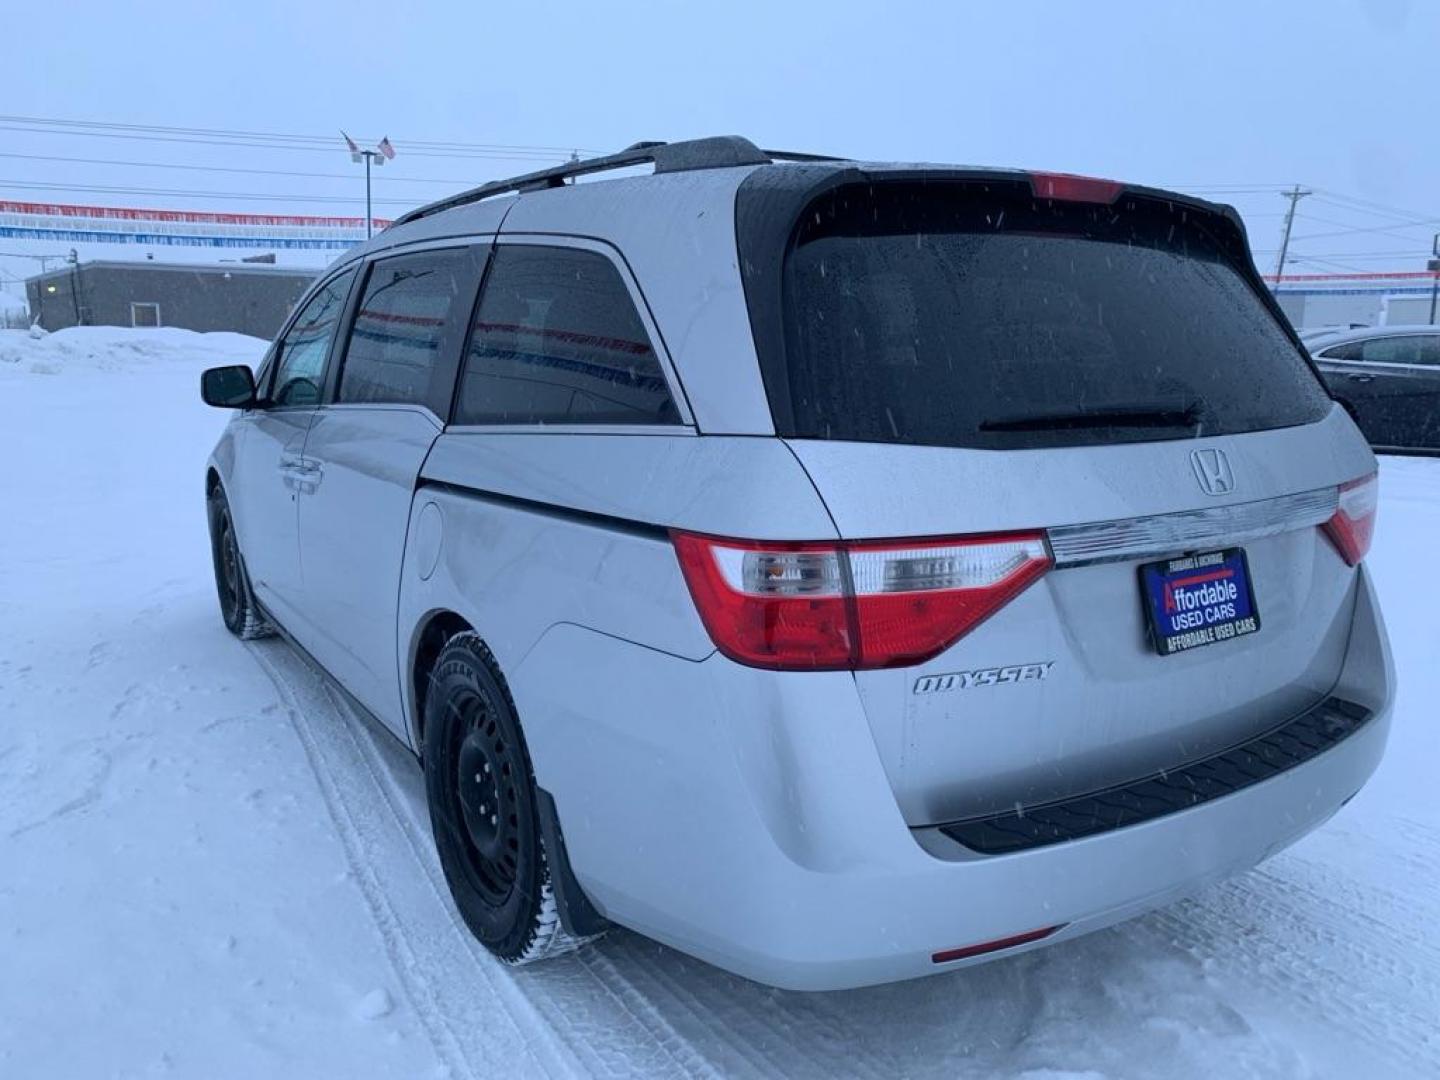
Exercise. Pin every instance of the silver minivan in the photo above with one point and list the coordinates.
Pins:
(840, 572)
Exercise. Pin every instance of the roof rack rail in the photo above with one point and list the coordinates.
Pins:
(715, 152)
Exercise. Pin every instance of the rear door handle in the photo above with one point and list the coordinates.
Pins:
(300, 474)
(299, 466)
(1357, 377)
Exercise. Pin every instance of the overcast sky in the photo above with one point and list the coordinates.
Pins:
(1338, 95)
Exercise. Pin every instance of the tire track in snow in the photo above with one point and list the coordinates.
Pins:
(1273, 930)
(560, 1039)
(769, 1018)
(639, 1007)
(460, 1031)
(559, 1014)
(1347, 905)
(642, 993)
(640, 971)
(531, 1025)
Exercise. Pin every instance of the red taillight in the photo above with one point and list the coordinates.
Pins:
(770, 605)
(862, 604)
(1353, 525)
(1069, 188)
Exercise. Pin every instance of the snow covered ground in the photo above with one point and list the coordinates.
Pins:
(210, 868)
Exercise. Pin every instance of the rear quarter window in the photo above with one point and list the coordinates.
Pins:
(970, 316)
(558, 340)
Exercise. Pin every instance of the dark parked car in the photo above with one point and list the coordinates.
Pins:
(1388, 377)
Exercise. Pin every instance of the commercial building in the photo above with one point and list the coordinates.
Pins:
(1315, 300)
(248, 298)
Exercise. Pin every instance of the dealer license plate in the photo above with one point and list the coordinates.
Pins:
(1198, 600)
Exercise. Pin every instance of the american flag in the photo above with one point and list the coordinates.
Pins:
(386, 149)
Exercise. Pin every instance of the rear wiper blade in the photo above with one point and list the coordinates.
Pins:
(1134, 416)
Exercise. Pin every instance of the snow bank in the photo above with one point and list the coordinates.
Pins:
(121, 348)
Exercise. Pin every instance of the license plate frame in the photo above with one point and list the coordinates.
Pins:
(1214, 601)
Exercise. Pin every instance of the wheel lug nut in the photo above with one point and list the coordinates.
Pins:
(484, 809)
(492, 819)
(487, 767)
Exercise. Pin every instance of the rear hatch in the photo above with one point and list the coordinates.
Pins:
(951, 356)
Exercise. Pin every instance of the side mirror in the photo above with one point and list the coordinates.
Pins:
(230, 387)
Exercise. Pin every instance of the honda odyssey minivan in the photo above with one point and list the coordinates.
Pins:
(838, 571)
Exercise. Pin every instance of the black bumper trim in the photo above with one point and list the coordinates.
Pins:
(1265, 756)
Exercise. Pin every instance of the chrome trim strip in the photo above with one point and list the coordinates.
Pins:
(1186, 530)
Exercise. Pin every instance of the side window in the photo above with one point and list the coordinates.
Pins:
(1429, 354)
(1350, 351)
(557, 340)
(1392, 350)
(395, 344)
(300, 368)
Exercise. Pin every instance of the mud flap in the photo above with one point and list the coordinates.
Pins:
(577, 914)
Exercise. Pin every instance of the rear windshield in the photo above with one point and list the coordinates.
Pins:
(945, 314)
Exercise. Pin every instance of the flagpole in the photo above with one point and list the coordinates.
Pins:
(381, 154)
(368, 216)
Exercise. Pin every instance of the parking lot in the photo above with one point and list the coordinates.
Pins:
(203, 848)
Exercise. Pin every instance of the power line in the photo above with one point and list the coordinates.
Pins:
(1390, 229)
(1340, 200)
(1398, 219)
(1366, 203)
(1407, 253)
(303, 148)
(1307, 259)
(322, 141)
(1416, 254)
(1379, 230)
(1210, 185)
(228, 169)
(228, 196)
(1239, 190)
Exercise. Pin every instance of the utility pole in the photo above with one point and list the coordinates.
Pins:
(74, 260)
(1434, 267)
(381, 154)
(1295, 194)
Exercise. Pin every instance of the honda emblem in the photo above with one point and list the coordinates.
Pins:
(1212, 470)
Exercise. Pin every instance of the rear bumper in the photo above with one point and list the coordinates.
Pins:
(1316, 731)
(743, 817)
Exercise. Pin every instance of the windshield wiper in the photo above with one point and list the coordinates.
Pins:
(1132, 416)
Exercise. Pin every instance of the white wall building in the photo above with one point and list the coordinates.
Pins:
(1315, 300)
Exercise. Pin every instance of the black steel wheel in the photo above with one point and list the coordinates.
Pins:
(483, 783)
(481, 793)
(237, 605)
